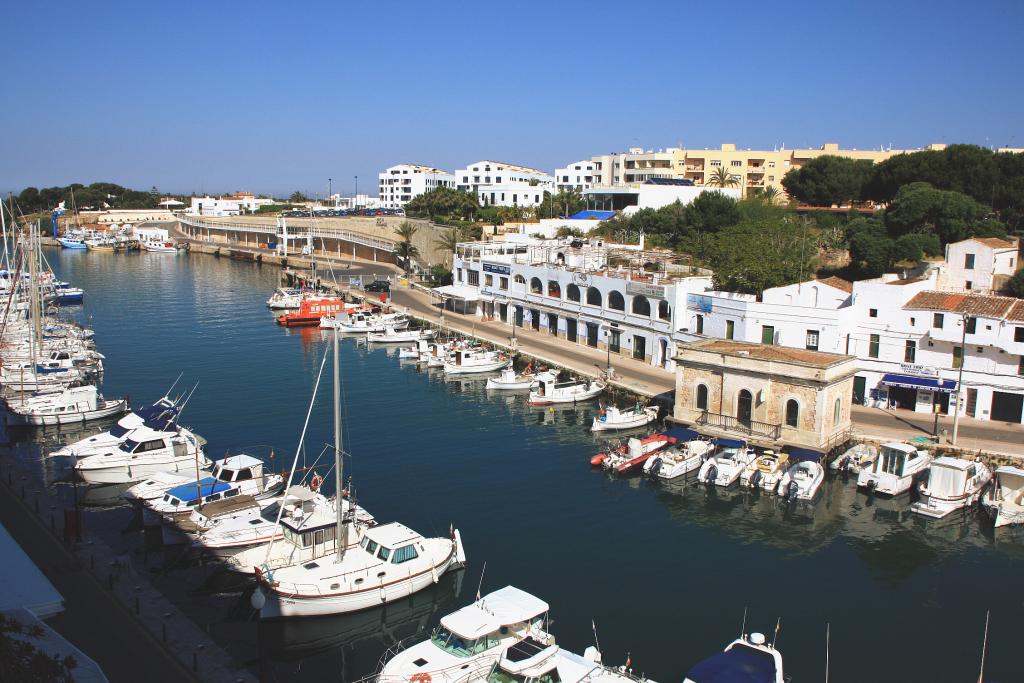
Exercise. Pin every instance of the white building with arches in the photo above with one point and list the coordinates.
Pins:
(585, 292)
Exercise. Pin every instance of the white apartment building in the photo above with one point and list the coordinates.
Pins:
(579, 176)
(980, 264)
(587, 293)
(650, 194)
(399, 184)
(231, 205)
(499, 184)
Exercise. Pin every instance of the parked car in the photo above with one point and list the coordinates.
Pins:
(378, 286)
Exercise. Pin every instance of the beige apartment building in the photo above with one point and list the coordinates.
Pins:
(753, 170)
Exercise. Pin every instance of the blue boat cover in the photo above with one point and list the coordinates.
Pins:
(590, 215)
(729, 443)
(740, 664)
(681, 434)
(157, 416)
(912, 382)
(207, 486)
(804, 454)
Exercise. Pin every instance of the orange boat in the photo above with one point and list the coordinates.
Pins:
(311, 310)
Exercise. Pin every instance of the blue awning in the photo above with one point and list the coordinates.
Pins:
(804, 454)
(729, 443)
(912, 382)
(207, 487)
(740, 664)
(681, 434)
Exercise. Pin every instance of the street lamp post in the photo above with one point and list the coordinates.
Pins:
(355, 200)
(960, 376)
(330, 189)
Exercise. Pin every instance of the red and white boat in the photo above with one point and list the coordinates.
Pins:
(312, 309)
(633, 453)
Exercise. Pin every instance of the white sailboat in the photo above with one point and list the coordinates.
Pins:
(390, 562)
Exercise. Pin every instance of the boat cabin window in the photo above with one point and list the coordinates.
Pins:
(244, 474)
(369, 546)
(404, 554)
(384, 553)
(455, 644)
(130, 446)
(892, 461)
(231, 492)
(117, 431)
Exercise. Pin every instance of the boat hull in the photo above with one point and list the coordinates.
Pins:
(43, 420)
(494, 366)
(634, 421)
(125, 473)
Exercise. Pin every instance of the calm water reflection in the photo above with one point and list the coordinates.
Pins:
(665, 570)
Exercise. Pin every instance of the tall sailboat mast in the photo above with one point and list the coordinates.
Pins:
(339, 499)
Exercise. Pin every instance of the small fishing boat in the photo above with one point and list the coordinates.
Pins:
(749, 659)
(160, 246)
(313, 310)
(550, 390)
(765, 471)
(612, 417)
(1004, 500)
(802, 481)
(72, 241)
(104, 243)
(392, 336)
(509, 380)
(417, 353)
(474, 361)
(285, 298)
(679, 459)
(726, 465)
(856, 458)
(633, 453)
(73, 405)
(895, 470)
(951, 484)
(358, 320)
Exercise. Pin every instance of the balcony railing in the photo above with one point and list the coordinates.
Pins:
(728, 423)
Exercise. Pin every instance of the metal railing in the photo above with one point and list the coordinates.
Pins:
(295, 231)
(729, 423)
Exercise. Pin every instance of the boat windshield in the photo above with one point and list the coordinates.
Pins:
(455, 644)
(128, 445)
(117, 431)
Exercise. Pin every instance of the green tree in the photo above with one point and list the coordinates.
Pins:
(770, 195)
(723, 177)
(298, 197)
(444, 201)
(712, 211)
(828, 180)
(565, 203)
(1015, 285)
(919, 207)
(871, 248)
(405, 249)
(760, 253)
(448, 242)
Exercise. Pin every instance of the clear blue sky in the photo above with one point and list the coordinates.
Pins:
(275, 96)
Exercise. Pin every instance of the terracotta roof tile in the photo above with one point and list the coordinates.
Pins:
(768, 352)
(838, 283)
(981, 305)
(1016, 313)
(995, 242)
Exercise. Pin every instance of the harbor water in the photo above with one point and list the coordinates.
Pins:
(665, 572)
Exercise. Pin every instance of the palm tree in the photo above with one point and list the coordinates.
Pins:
(723, 177)
(770, 195)
(448, 241)
(405, 249)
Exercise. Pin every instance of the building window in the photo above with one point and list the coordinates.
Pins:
(699, 326)
(812, 340)
(873, 345)
(792, 412)
(702, 395)
(716, 163)
(503, 283)
(968, 262)
(736, 163)
(573, 293)
(458, 274)
(937, 319)
(1020, 365)
(872, 312)
(535, 286)
(768, 334)
(730, 329)
(641, 306)
(554, 290)
(837, 411)
(614, 341)
(519, 280)
(664, 312)
(1018, 334)
(488, 280)
(593, 296)
(972, 324)
(473, 277)
(615, 301)
(910, 351)
(958, 357)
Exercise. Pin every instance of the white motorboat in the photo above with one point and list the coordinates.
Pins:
(474, 361)
(894, 471)
(469, 642)
(550, 390)
(856, 458)
(509, 380)
(749, 658)
(392, 336)
(417, 352)
(726, 465)
(235, 475)
(159, 416)
(159, 246)
(364, 322)
(802, 481)
(1004, 500)
(679, 459)
(143, 452)
(534, 660)
(288, 298)
(30, 377)
(765, 472)
(73, 405)
(951, 484)
(612, 417)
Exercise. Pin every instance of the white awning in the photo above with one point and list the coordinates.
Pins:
(463, 292)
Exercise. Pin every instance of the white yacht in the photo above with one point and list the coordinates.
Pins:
(895, 469)
(286, 298)
(143, 452)
(765, 472)
(159, 416)
(550, 390)
(951, 484)
(1004, 500)
(392, 336)
(612, 417)
(727, 464)
(532, 660)
(679, 459)
(70, 406)
(235, 475)
(802, 481)
(469, 642)
(362, 321)
(748, 658)
(473, 361)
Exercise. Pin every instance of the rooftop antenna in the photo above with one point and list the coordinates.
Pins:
(743, 627)
(984, 647)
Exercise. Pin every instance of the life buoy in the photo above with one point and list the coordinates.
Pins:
(316, 482)
(421, 677)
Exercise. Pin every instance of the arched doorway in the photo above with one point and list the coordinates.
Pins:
(664, 353)
(744, 407)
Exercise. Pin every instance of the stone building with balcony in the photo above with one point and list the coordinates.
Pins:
(766, 395)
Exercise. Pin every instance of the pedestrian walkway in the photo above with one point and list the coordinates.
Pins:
(972, 435)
